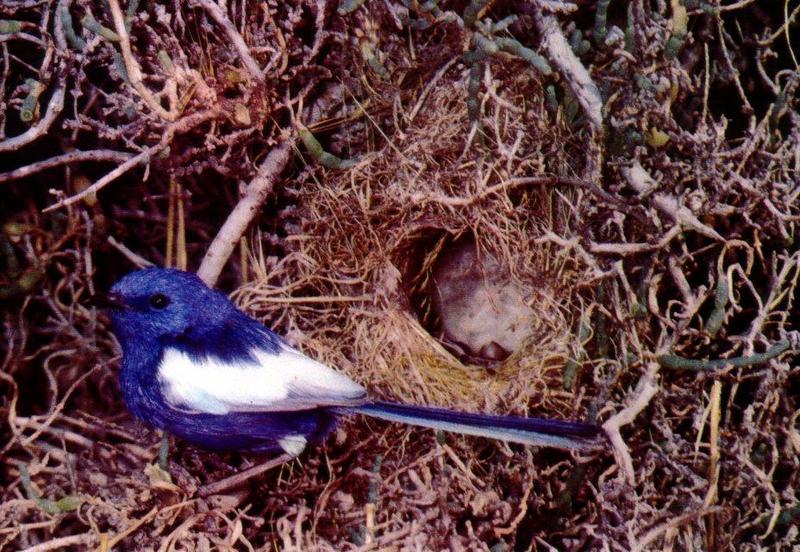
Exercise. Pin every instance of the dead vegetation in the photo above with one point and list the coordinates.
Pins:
(634, 168)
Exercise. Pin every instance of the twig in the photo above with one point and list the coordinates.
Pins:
(624, 249)
(570, 67)
(733, 72)
(138, 260)
(216, 13)
(180, 126)
(63, 542)
(714, 456)
(22, 36)
(557, 6)
(54, 108)
(320, 33)
(428, 88)
(132, 527)
(722, 9)
(315, 299)
(681, 282)
(45, 428)
(776, 294)
(58, 408)
(644, 542)
(65, 159)
(132, 66)
(523, 503)
(20, 528)
(573, 244)
(641, 181)
(645, 391)
(237, 222)
(239, 478)
(783, 29)
(560, 53)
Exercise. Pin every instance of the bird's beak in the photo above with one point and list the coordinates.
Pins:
(107, 301)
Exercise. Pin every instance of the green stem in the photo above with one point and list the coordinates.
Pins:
(93, 25)
(675, 362)
(52, 507)
(323, 157)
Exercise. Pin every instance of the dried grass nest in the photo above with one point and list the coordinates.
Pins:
(369, 238)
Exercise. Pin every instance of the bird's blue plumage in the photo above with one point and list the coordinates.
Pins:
(196, 366)
(198, 320)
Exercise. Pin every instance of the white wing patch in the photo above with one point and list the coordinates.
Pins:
(288, 380)
(293, 444)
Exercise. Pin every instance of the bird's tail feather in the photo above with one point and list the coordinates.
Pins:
(529, 431)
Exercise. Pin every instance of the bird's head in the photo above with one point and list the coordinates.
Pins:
(157, 304)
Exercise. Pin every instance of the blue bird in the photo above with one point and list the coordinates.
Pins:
(197, 367)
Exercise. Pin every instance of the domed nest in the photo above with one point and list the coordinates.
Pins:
(430, 214)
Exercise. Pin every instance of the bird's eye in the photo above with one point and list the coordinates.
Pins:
(159, 301)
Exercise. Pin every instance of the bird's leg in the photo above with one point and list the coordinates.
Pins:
(163, 451)
(241, 477)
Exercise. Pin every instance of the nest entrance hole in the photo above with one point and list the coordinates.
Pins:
(464, 297)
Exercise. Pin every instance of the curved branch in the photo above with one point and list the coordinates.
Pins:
(132, 66)
(65, 159)
(645, 391)
(38, 130)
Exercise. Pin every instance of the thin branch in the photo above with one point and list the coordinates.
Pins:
(788, 21)
(54, 108)
(428, 88)
(641, 181)
(573, 244)
(645, 391)
(570, 67)
(136, 259)
(249, 205)
(557, 6)
(22, 36)
(645, 542)
(116, 539)
(624, 249)
(721, 9)
(216, 13)
(241, 477)
(132, 66)
(64, 542)
(318, 299)
(180, 126)
(65, 159)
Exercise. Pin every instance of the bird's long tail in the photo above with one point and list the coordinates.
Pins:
(528, 431)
